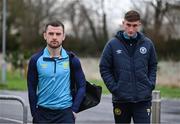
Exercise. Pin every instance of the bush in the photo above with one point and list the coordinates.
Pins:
(168, 50)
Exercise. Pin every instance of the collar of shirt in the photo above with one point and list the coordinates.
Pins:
(63, 54)
(127, 37)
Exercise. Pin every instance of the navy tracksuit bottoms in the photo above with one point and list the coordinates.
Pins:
(47, 116)
(140, 112)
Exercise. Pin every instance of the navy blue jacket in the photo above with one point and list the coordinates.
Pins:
(130, 78)
(32, 81)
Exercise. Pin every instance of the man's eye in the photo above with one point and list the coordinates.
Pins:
(132, 25)
(50, 33)
(135, 25)
(58, 34)
(129, 25)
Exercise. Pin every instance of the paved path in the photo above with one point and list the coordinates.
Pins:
(101, 114)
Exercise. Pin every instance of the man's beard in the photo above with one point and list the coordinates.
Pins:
(51, 45)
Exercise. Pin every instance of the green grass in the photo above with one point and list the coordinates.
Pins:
(165, 91)
(16, 82)
(100, 83)
(169, 92)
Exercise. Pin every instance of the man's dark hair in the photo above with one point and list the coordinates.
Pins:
(54, 23)
(132, 16)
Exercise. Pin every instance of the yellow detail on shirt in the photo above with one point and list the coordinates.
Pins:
(44, 65)
(66, 65)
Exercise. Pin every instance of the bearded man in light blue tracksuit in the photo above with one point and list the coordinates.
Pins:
(51, 95)
(128, 67)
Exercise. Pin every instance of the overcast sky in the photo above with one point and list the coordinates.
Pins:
(116, 8)
(115, 12)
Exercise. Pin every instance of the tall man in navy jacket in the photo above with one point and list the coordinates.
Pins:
(128, 67)
(49, 86)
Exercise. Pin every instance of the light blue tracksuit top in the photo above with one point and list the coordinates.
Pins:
(54, 81)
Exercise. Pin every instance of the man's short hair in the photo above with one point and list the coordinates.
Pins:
(132, 16)
(54, 23)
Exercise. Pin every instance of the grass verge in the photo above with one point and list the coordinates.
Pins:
(16, 82)
(165, 91)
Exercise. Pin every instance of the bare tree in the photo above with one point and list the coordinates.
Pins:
(158, 17)
(35, 13)
(89, 21)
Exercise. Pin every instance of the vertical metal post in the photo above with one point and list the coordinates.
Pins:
(156, 108)
(4, 43)
(25, 112)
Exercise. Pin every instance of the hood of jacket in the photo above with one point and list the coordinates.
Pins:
(139, 39)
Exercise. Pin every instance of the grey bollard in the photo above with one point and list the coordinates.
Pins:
(156, 107)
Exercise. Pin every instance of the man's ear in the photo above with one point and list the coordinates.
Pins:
(64, 37)
(123, 22)
(44, 35)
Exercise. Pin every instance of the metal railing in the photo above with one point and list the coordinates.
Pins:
(156, 107)
(17, 98)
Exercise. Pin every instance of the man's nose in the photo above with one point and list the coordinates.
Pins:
(131, 28)
(54, 36)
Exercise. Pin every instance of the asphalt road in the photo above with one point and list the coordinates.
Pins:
(101, 114)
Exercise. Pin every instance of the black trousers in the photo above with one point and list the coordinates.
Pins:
(48, 116)
(140, 112)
